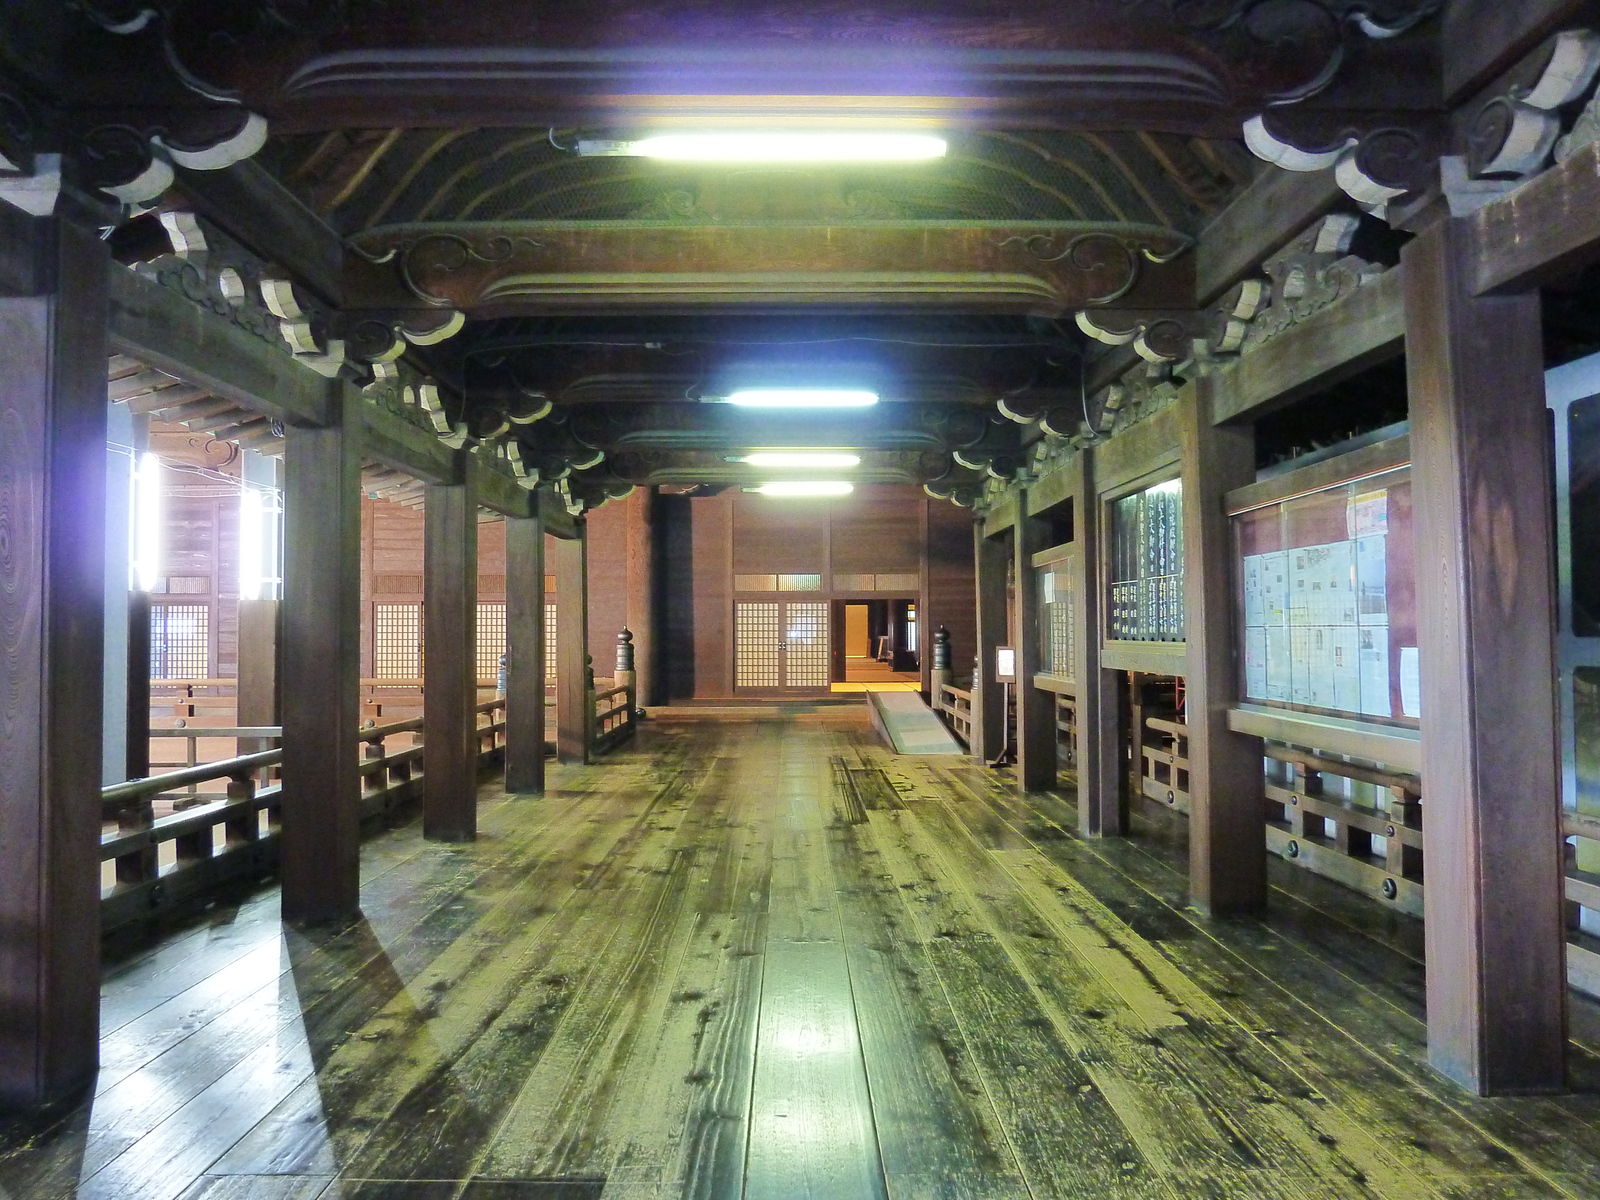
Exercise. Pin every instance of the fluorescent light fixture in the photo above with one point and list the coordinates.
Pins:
(800, 458)
(259, 512)
(147, 520)
(773, 147)
(812, 487)
(802, 398)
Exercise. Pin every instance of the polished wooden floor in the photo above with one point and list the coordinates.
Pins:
(770, 960)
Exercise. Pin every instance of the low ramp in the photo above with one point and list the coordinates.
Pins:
(908, 725)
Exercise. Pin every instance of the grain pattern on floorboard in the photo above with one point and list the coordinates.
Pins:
(638, 986)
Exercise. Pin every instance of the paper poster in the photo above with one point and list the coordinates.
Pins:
(1275, 587)
(1255, 664)
(1368, 514)
(1319, 687)
(1345, 667)
(1255, 612)
(1301, 671)
(1372, 580)
(1410, 682)
(1278, 674)
(1375, 671)
(1322, 585)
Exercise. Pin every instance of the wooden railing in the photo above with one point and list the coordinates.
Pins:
(1359, 824)
(954, 707)
(152, 863)
(1066, 731)
(1583, 893)
(613, 717)
(195, 734)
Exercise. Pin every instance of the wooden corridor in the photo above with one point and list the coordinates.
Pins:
(770, 960)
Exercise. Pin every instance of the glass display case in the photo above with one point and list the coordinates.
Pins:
(1146, 566)
(1055, 618)
(1327, 600)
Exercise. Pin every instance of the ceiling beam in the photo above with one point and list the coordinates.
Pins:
(1261, 220)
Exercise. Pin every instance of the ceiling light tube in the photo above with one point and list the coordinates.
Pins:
(773, 147)
(800, 458)
(802, 398)
(809, 487)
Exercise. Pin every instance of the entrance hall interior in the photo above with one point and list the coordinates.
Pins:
(720, 601)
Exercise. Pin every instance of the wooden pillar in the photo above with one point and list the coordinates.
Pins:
(320, 850)
(1227, 835)
(525, 652)
(450, 662)
(1036, 709)
(258, 668)
(1101, 711)
(1481, 472)
(988, 698)
(642, 590)
(52, 570)
(137, 701)
(572, 647)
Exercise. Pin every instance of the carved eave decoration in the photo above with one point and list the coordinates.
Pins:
(1043, 268)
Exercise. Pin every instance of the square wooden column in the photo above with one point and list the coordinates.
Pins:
(525, 653)
(572, 647)
(450, 662)
(1036, 709)
(988, 699)
(1101, 713)
(52, 639)
(641, 507)
(1227, 806)
(1481, 476)
(320, 850)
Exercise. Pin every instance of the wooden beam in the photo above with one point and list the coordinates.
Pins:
(169, 331)
(1547, 228)
(525, 654)
(572, 648)
(1036, 709)
(320, 851)
(1481, 38)
(1276, 206)
(497, 491)
(1101, 698)
(1365, 328)
(52, 571)
(989, 720)
(1227, 847)
(1482, 482)
(553, 515)
(396, 442)
(450, 669)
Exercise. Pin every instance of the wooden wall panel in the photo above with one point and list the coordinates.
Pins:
(674, 516)
(779, 535)
(878, 528)
(712, 525)
(608, 583)
(949, 596)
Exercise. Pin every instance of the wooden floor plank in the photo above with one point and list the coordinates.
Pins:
(748, 960)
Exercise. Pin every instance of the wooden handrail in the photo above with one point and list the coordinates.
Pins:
(241, 767)
(232, 731)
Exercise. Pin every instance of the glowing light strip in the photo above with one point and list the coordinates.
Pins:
(774, 147)
(147, 521)
(802, 398)
(815, 487)
(800, 458)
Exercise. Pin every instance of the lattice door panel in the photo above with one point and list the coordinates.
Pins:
(491, 639)
(397, 641)
(549, 643)
(180, 641)
(806, 645)
(756, 644)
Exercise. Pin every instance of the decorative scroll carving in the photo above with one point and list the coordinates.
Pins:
(444, 254)
(1093, 253)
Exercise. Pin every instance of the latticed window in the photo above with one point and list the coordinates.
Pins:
(397, 641)
(549, 643)
(755, 654)
(806, 645)
(491, 639)
(180, 641)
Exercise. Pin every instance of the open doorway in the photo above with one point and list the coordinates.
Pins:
(876, 645)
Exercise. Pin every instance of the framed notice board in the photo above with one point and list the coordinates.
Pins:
(1326, 600)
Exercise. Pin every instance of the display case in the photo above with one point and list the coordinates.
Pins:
(1327, 600)
(1055, 618)
(1146, 566)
